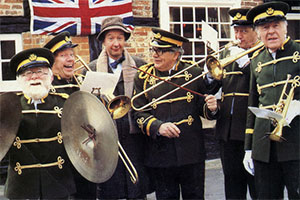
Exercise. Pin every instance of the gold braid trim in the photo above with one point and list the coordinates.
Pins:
(141, 121)
(249, 131)
(63, 95)
(295, 57)
(189, 121)
(56, 110)
(18, 142)
(231, 73)
(59, 163)
(274, 84)
(233, 94)
(149, 125)
(188, 98)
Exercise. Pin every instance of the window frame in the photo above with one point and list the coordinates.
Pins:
(164, 12)
(10, 85)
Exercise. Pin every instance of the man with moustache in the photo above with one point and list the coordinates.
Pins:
(175, 149)
(39, 167)
(230, 127)
(276, 164)
(64, 61)
(115, 59)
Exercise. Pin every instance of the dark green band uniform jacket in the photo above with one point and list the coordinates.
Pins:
(266, 84)
(182, 108)
(38, 164)
(63, 86)
(234, 102)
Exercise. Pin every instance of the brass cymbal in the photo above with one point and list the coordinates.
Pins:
(10, 117)
(90, 137)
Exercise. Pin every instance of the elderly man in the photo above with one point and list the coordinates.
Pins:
(230, 128)
(64, 61)
(39, 167)
(276, 164)
(114, 58)
(175, 144)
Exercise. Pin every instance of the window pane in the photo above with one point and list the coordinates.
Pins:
(187, 14)
(188, 30)
(200, 14)
(225, 31)
(175, 28)
(224, 16)
(187, 46)
(6, 72)
(212, 14)
(293, 32)
(7, 49)
(199, 31)
(174, 14)
(199, 48)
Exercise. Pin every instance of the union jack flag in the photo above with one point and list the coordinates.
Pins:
(79, 17)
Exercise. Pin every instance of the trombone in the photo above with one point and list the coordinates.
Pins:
(230, 44)
(117, 107)
(216, 67)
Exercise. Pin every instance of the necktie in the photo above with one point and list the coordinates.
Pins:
(115, 64)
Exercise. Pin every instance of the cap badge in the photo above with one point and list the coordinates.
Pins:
(157, 36)
(32, 57)
(270, 11)
(238, 15)
(67, 39)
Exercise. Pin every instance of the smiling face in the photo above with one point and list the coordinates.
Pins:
(273, 34)
(114, 42)
(164, 60)
(247, 36)
(64, 63)
(35, 82)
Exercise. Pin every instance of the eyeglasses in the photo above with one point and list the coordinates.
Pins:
(39, 73)
(160, 51)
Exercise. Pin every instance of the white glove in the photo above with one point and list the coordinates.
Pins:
(248, 162)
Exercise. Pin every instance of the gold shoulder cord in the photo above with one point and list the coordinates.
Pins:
(295, 57)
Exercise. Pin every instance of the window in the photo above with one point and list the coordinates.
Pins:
(185, 18)
(10, 44)
(293, 25)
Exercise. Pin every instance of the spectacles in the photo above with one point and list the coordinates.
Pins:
(160, 51)
(39, 73)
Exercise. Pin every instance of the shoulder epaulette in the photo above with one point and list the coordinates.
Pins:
(189, 61)
(63, 95)
(256, 53)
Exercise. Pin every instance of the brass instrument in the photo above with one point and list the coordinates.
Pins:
(282, 108)
(216, 67)
(167, 80)
(118, 106)
(78, 76)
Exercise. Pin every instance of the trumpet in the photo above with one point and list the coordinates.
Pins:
(78, 76)
(282, 108)
(167, 80)
(216, 67)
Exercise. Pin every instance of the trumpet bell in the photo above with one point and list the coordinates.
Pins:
(214, 67)
(119, 106)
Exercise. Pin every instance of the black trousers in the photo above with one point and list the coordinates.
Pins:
(272, 177)
(236, 178)
(188, 178)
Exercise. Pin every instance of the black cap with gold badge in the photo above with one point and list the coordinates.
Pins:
(268, 12)
(60, 42)
(165, 39)
(239, 17)
(35, 57)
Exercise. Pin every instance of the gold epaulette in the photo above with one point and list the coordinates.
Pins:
(145, 67)
(256, 53)
(63, 95)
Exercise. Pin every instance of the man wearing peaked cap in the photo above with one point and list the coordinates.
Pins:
(276, 158)
(64, 62)
(39, 167)
(175, 150)
(230, 126)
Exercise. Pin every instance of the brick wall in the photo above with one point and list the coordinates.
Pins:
(138, 44)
